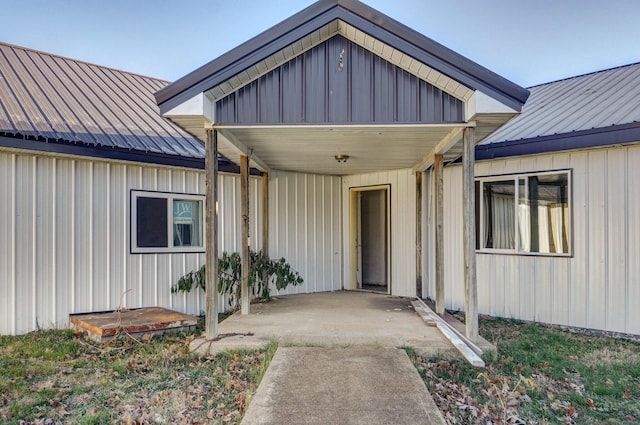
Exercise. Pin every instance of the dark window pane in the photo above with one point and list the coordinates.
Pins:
(152, 222)
(499, 214)
(549, 193)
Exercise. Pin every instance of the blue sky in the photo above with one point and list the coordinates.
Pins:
(529, 42)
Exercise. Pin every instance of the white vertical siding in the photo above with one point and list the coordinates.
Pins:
(7, 239)
(599, 285)
(64, 238)
(305, 228)
(453, 254)
(633, 246)
(403, 225)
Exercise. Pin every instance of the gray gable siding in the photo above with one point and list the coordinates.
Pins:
(311, 89)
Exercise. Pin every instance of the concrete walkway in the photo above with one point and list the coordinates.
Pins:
(353, 385)
(338, 360)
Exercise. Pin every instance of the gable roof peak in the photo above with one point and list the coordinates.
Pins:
(362, 17)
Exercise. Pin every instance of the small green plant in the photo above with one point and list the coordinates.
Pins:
(263, 274)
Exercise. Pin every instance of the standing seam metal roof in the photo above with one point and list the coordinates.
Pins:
(582, 104)
(56, 99)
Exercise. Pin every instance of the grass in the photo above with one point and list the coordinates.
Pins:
(540, 375)
(56, 376)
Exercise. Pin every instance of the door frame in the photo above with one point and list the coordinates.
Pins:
(354, 225)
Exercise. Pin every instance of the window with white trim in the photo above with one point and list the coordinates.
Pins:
(524, 213)
(166, 222)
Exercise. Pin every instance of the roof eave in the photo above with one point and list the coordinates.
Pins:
(621, 134)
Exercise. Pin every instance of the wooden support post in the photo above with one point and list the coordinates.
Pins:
(419, 234)
(211, 242)
(244, 223)
(469, 234)
(265, 213)
(438, 171)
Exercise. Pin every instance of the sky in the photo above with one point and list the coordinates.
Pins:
(526, 41)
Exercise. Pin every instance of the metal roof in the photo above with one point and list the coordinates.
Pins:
(354, 13)
(65, 102)
(577, 107)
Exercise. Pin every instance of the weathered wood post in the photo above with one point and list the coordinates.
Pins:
(244, 246)
(469, 234)
(211, 242)
(265, 213)
(438, 166)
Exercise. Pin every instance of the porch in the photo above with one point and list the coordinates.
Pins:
(342, 318)
(341, 90)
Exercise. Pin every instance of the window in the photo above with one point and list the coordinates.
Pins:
(166, 222)
(525, 213)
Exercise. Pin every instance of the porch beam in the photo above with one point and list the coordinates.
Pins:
(211, 242)
(244, 223)
(438, 166)
(381, 127)
(448, 142)
(469, 235)
(243, 150)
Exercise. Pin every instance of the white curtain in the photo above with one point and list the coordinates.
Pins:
(502, 221)
(544, 241)
(524, 227)
(558, 214)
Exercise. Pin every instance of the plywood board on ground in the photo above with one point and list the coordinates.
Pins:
(102, 326)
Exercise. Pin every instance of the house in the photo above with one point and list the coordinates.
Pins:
(363, 131)
(85, 161)
(574, 153)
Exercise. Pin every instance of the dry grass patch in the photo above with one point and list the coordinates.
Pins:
(540, 375)
(612, 356)
(54, 377)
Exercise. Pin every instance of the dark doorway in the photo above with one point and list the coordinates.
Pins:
(373, 227)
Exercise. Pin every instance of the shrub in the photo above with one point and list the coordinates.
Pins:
(263, 273)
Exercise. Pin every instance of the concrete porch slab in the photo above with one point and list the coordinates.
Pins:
(328, 319)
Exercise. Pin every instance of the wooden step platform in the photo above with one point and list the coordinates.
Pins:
(106, 325)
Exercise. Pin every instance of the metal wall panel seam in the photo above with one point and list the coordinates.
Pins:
(74, 307)
(627, 321)
(607, 257)
(91, 235)
(108, 241)
(34, 241)
(54, 252)
(125, 241)
(12, 210)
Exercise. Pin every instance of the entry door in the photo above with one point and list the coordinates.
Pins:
(372, 242)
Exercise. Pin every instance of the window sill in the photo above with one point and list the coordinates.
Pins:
(181, 250)
(523, 254)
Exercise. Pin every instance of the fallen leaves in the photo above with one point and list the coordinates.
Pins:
(133, 383)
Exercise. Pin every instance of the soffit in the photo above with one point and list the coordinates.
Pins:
(312, 149)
